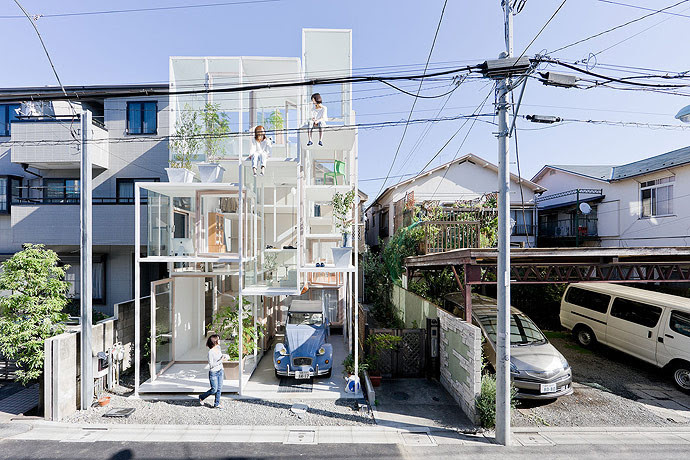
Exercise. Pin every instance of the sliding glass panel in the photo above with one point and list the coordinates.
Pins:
(162, 326)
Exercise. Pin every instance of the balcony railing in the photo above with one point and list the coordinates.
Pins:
(586, 227)
(442, 236)
(523, 230)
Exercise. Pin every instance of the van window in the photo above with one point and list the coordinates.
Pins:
(588, 299)
(680, 322)
(636, 312)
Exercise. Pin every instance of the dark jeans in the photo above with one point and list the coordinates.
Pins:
(216, 380)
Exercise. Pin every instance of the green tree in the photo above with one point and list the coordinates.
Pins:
(216, 127)
(186, 141)
(33, 310)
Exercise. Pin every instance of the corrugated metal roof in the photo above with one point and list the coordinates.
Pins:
(648, 165)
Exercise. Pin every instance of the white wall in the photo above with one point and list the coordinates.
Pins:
(189, 313)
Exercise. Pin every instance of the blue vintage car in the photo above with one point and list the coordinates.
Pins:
(304, 353)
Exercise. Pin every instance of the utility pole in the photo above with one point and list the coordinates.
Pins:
(85, 263)
(503, 387)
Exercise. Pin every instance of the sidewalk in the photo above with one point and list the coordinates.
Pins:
(429, 437)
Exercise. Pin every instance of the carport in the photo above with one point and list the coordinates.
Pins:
(476, 267)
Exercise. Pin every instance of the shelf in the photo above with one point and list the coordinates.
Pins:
(223, 258)
(324, 236)
(329, 268)
(275, 250)
(324, 192)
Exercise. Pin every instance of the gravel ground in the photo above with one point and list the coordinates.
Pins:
(605, 383)
(234, 412)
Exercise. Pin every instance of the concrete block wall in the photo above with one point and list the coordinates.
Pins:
(460, 347)
(124, 328)
(461, 361)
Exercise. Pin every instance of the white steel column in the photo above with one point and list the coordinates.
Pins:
(355, 243)
(137, 288)
(86, 204)
(503, 387)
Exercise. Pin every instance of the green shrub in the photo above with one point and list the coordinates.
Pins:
(486, 401)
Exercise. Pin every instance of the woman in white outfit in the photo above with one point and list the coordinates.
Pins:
(319, 116)
(259, 149)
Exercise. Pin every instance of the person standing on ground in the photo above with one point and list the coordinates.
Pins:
(215, 371)
(259, 149)
(319, 116)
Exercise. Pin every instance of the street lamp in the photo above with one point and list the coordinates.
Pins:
(684, 114)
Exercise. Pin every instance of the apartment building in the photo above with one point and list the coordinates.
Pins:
(40, 168)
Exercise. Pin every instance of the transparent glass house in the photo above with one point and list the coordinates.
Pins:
(253, 240)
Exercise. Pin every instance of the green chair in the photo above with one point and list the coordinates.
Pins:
(338, 170)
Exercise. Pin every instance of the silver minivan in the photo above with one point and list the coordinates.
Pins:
(537, 369)
(651, 326)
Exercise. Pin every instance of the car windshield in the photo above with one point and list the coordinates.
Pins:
(309, 319)
(522, 330)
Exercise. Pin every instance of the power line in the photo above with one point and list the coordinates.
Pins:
(414, 102)
(142, 10)
(542, 29)
(643, 8)
(619, 26)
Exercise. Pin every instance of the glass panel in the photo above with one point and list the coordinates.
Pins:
(588, 299)
(134, 118)
(3, 194)
(664, 195)
(72, 190)
(162, 333)
(159, 225)
(646, 203)
(150, 118)
(636, 312)
(4, 125)
(680, 323)
(522, 330)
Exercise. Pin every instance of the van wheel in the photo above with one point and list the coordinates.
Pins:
(681, 376)
(585, 336)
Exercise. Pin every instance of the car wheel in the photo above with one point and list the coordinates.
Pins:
(681, 376)
(585, 336)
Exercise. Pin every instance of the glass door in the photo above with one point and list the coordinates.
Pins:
(162, 313)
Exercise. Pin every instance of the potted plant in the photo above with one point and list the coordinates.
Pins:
(349, 366)
(277, 124)
(216, 127)
(184, 144)
(226, 325)
(377, 344)
(342, 212)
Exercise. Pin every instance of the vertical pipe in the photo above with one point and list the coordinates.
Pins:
(137, 288)
(86, 204)
(503, 279)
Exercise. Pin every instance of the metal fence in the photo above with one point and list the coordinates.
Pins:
(442, 236)
(408, 359)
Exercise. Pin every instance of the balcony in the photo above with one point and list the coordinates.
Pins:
(566, 228)
(442, 236)
(48, 221)
(49, 143)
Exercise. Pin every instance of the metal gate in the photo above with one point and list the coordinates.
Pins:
(408, 359)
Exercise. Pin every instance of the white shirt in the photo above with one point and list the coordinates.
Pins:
(215, 359)
(262, 148)
(319, 115)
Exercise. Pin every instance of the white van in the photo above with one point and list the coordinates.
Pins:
(652, 326)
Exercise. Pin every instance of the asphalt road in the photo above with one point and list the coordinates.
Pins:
(44, 450)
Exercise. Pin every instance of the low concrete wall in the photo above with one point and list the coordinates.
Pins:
(63, 358)
(460, 347)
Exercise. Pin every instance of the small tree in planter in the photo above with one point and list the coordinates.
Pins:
(184, 144)
(33, 310)
(216, 127)
(378, 343)
(226, 325)
(349, 365)
(342, 213)
(277, 124)
(270, 264)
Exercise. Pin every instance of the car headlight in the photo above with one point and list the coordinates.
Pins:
(564, 363)
(283, 351)
(322, 351)
(514, 369)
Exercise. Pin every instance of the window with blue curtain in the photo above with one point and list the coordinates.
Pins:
(8, 113)
(142, 117)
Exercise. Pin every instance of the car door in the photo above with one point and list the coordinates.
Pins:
(674, 337)
(632, 327)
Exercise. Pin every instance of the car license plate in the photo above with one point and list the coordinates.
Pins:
(305, 375)
(548, 388)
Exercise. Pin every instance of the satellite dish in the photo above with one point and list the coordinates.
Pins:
(585, 208)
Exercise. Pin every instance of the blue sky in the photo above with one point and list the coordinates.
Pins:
(134, 48)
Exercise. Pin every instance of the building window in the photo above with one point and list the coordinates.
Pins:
(7, 115)
(10, 191)
(383, 224)
(142, 117)
(73, 277)
(61, 191)
(524, 221)
(657, 197)
(125, 189)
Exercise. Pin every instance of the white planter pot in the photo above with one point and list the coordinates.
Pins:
(180, 175)
(342, 257)
(210, 172)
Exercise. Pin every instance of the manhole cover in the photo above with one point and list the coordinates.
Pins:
(417, 439)
(301, 437)
(401, 396)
